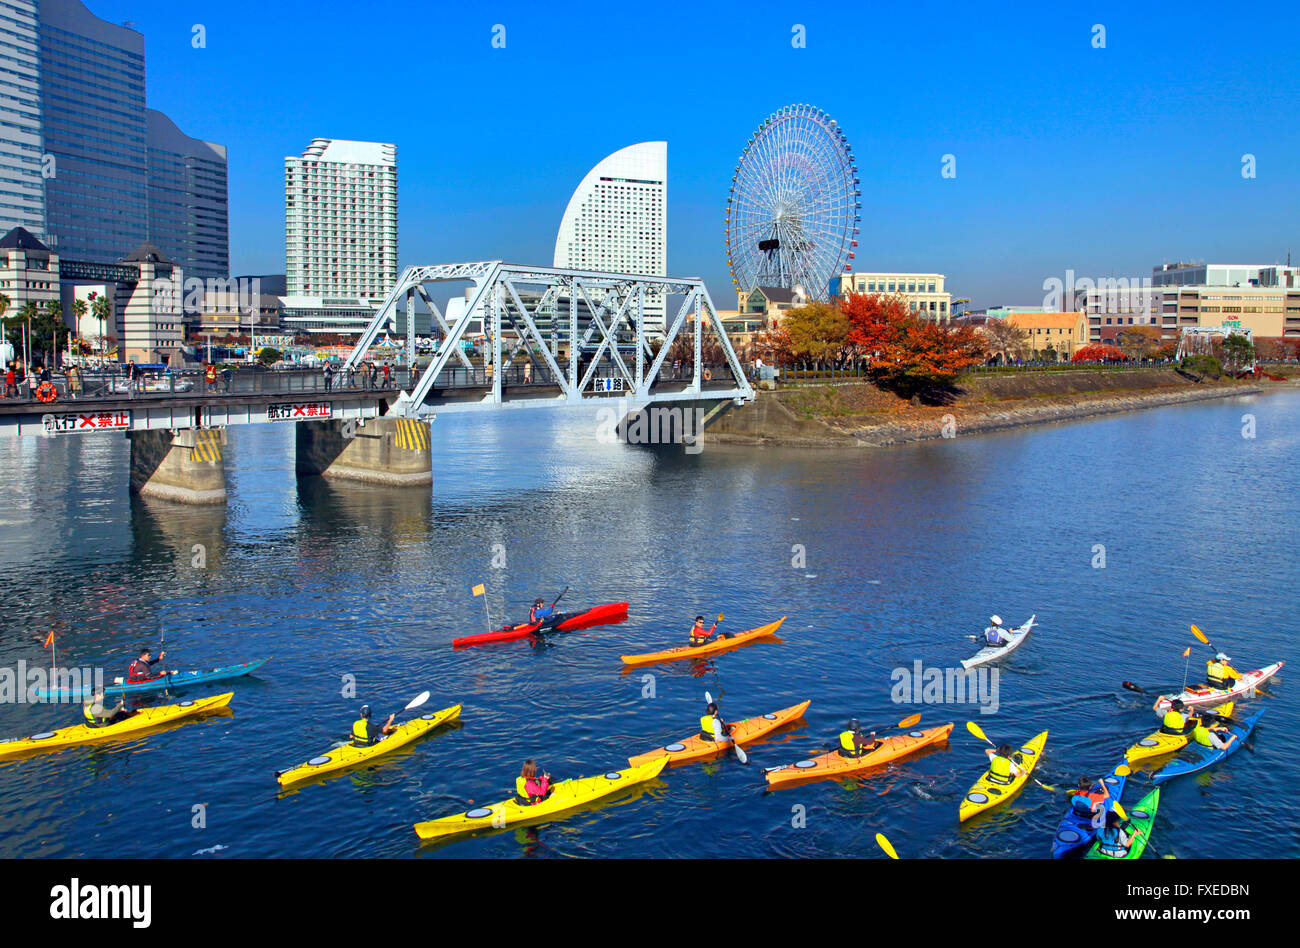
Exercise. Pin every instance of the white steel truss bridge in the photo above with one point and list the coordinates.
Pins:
(583, 337)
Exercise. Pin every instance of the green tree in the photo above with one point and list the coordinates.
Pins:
(817, 331)
(268, 355)
(101, 307)
(1237, 353)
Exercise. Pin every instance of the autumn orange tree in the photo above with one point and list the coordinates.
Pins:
(1099, 352)
(914, 356)
(817, 331)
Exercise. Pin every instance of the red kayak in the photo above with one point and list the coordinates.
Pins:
(610, 612)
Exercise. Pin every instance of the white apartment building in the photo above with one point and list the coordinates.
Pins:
(924, 293)
(617, 219)
(340, 220)
(22, 187)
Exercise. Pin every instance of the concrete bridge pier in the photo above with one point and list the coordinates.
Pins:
(185, 466)
(671, 422)
(393, 452)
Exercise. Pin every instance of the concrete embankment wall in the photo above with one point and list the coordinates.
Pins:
(393, 452)
(984, 404)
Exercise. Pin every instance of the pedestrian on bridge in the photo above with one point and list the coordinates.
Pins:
(209, 375)
(388, 375)
(328, 372)
(73, 376)
(11, 382)
(352, 376)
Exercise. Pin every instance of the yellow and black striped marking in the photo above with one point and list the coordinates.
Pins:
(411, 435)
(207, 445)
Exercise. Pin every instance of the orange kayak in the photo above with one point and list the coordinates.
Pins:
(697, 748)
(709, 648)
(833, 765)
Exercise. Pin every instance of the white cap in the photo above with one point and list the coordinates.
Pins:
(1223, 658)
(996, 620)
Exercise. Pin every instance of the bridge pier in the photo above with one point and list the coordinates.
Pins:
(391, 451)
(672, 422)
(185, 466)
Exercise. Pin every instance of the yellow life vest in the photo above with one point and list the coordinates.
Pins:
(87, 710)
(1000, 767)
(361, 731)
(1202, 734)
(521, 787)
(1173, 722)
(706, 726)
(848, 743)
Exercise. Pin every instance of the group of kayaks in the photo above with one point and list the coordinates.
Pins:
(1076, 833)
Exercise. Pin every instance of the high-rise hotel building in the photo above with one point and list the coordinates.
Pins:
(617, 219)
(83, 164)
(340, 220)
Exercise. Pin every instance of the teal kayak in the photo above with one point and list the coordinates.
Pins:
(1198, 756)
(168, 681)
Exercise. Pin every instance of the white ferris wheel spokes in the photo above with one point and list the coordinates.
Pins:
(794, 208)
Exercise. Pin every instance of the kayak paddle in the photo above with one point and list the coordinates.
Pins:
(720, 732)
(975, 729)
(886, 846)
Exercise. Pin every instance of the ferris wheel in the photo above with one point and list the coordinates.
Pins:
(795, 204)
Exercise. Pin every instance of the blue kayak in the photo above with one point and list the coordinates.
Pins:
(1198, 756)
(1076, 830)
(169, 681)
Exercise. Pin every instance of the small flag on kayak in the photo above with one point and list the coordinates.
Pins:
(1187, 651)
(49, 639)
(478, 590)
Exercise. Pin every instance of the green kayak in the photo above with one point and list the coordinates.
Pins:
(1141, 818)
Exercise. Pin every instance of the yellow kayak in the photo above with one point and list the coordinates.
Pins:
(350, 755)
(989, 792)
(708, 648)
(565, 795)
(141, 720)
(1159, 743)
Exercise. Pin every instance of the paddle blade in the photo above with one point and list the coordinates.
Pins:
(1123, 770)
(886, 845)
(1132, 687)
(975, 729)
(909, 721)
(1200, 635)
(708, 698)
(418, 700)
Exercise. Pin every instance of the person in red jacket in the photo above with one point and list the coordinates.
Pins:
(142, 668)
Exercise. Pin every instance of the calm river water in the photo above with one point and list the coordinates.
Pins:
(907, 551)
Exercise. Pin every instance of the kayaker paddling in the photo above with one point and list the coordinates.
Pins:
(1219, 674)
(97, 716)
(852, 743)
(1116, 836)
(531, 787)
(363, 733)
(142, 668)
(1089, 802)
(541, 613)
(995, 635)
(1176, 720)
(699, 635)
(712, 727)
(1210, 732)
(1003, 764)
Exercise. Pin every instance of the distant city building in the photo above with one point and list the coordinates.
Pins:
(1225, 274)
(1268, 311)
(1059, 333)
(767, 304)
(84, 166)
(617, 219)
(92, 110)
(29, 271)
(234, 312)
(315, 314)
(924, 293)
(340, 220)
(150, 328)
(188, 199)
(22, 187)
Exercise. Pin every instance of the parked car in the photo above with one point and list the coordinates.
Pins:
(151, 384)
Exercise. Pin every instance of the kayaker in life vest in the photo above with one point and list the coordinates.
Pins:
(700, 635)
(1003, 765)
(142, 668)
(1114, 838)
(853, 743)
(97, 716)
(1086, 801)
(1219, 673)
(530, 788)
(1175, 721)
(363, 735)
(995, 634)
(707, 720)
(541, 612)
(1212, 733)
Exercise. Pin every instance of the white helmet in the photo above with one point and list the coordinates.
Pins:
(996, 620)
(1223, 658)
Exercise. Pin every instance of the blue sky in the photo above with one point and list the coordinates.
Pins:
(1105, 161)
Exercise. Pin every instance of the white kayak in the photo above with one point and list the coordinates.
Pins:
(990, 652)
(1202, 695)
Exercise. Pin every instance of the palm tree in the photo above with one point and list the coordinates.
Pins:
(101, 309)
